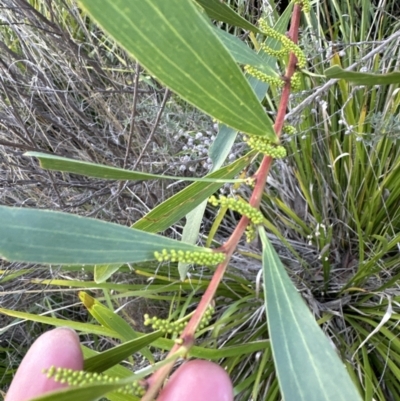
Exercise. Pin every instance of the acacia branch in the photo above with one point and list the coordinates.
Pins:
(187, 337)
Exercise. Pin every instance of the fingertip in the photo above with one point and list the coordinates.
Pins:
(198, 381)
(59, 347)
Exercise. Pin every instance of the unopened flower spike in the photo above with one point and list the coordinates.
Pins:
(295, 81)
(77, 378)
(266, 147)
(240, 206)
(305, 5)
(272, 52)
(289, 129)
(250, 233)
(263, 77)
(176, 327)
(287, 44)
(200, 258)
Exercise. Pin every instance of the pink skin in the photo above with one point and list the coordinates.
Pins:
(195, 380)
(58, 347)
(198, 381)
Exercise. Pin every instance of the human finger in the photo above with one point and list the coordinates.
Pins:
(59, 347)
(198, 380)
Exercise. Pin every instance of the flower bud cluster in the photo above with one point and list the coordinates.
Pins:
(165, 326)
(240, 206)
(263, 77)
(272, 52)
(250, 233)
(79, 378)
(201, 258)
(266, 147)
(305, 5)
(289, 129)
(287, 44)
(176, 327)
(295, 81)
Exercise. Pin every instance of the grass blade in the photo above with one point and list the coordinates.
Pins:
(81, 327)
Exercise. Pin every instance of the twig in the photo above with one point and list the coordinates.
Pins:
(133, 115)
(153, 130)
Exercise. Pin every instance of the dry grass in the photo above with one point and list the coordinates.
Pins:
(67, 89)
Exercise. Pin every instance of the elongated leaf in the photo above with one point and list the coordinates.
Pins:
(115, 371)
(220, 11)
(190, 233)
(105, 360)
(42, 236)
(178, 46)
(111, 320)
(107, 317)
(225, 139)
(176, 207)
(88, 392)
(103, 272)
(179, 205)
(81, 327)
(243, 54)
(307, 366)
(363, 78)
(58, 163)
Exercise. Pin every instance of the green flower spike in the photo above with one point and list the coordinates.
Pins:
(288, 45)
(78, 378)
(272, 52)
(266, 147)
(289, 129)
(240, 206)
(250, 233)
(295, 81)
(176, 327)
(263, 77)
(200, 258)
(305, 5)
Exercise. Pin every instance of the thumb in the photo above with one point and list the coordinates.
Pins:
(59, 347)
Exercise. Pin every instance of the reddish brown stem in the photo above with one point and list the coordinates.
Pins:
(156, 380)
